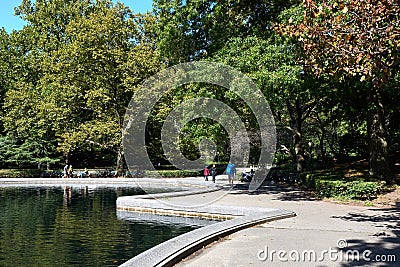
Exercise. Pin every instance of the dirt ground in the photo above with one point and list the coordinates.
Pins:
(360, 168)
(391, 199)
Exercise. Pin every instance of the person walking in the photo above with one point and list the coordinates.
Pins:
(231, 171)
(70, 171)
(213, 172)
(65, 171)
(206, 173)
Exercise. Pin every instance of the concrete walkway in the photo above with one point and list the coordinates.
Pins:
(322, 233)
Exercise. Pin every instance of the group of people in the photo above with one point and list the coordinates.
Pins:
(230, 171)
(67, 173)
(212, 171)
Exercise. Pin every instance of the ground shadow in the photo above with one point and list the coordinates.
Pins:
(382, 252)
(280, 191)
(386, 218)
(383, 248)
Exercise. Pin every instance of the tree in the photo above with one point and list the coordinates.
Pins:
(5, 69)
(77, 65)
(25, 153)
(355, 40)
(193, 30)
(95, 76)
(28, 103)
(271, 63)
(24, 118)
(198, 30)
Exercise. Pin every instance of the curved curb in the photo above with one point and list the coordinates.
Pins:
(174, 250)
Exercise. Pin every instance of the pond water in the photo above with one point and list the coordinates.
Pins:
(73, 226)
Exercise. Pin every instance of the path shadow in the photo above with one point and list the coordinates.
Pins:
(384, 244)
(384, 251)
(385, 218)
(280, 191)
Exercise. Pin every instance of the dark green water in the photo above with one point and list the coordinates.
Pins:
(64, 226)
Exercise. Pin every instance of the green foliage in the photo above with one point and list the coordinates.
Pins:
(68, 75)
(25, 153)
(312, 178)
(192, 30)
(335, 185)
(173, 173)
(355, 190)
(271, 63)
(292, 93)
(282, 158)
(19, 173)
(78, 64)
(5, 68)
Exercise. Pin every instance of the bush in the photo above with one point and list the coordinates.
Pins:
(281, 158)
(173, 173)
(19, 173)
(335, 185)
(355, 190)
(165, 167)
(311, 178)
(365, 190)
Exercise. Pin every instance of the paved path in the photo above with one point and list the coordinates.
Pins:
(312, 238)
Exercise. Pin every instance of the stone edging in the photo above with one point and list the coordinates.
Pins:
(174, 250)
(145, 182)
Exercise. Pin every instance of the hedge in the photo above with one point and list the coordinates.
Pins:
(172, 173)
(311, 178)
(357, 190)
(19, 173)
(168, 173)
(335, 185)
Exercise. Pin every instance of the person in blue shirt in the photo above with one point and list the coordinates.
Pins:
(231, 171)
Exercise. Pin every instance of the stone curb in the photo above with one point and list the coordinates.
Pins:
(185, 183)
(174, 250)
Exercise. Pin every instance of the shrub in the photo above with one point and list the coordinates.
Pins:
(173, 173)
(311, 178)
(356, 190)
(366, 190)
(335, 185)
(19, 173)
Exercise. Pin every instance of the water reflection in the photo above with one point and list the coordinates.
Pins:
(74, 226)
(67, 195)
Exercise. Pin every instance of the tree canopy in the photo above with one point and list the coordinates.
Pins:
(357, 42)
(329, 69)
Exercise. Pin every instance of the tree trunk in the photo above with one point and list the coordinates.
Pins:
(299, 149)
(321, 139)
(120, 161)
(66, 157)
(377, 144)
(296, 118)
